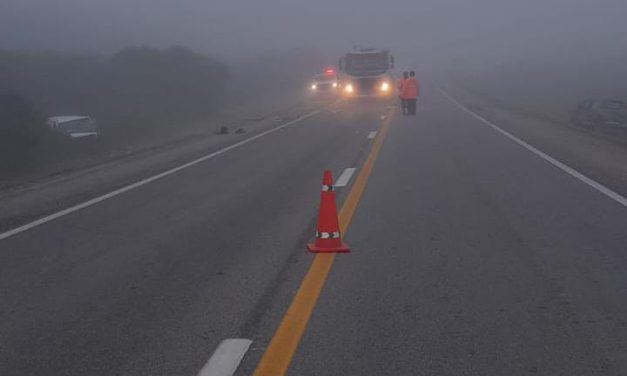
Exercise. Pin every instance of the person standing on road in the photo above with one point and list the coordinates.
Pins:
(400, 92)
(410, 93)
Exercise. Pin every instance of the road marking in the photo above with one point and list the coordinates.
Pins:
(143, 182)
(226, 358)
(346, 176)
(567, 169)
(277, 357)
(372, 135)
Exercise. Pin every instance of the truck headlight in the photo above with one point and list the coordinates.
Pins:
(349, 88)
(385, 86)
(314, 87)
(334, 84)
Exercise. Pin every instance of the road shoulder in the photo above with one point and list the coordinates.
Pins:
(600, 159)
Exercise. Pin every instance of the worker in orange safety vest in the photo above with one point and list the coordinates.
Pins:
(400, 92)
(410, 93)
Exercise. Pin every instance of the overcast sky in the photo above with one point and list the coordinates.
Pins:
(232, 28)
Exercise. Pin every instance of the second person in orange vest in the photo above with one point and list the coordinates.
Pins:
(410, 93)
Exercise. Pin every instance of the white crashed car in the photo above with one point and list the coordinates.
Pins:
(76, 127)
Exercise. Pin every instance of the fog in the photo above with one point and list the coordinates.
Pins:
(115, 59)
(427, 30)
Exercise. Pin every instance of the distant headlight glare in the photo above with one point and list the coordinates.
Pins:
(385, 86)
(349, 88)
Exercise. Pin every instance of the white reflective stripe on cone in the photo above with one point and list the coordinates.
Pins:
(328, 235)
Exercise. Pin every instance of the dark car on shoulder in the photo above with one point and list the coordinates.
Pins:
(601, 113)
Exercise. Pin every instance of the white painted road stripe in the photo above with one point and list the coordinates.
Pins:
(226, 358)
(140, 183)
(372, 135)
(569, 170)
(346, 176)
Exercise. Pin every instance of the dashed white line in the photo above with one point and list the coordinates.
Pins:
(140, 183)
(343, 180)
(226, 358)
(567, 169)
(372, 135)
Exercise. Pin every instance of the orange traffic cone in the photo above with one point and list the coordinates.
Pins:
(328, 237)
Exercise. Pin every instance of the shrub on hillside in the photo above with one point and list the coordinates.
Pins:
(21, 131)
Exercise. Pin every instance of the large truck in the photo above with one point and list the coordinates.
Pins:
(367, 72)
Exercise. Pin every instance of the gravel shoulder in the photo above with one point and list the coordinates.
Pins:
(599, 156)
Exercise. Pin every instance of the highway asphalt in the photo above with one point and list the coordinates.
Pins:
(470, 256)
(473, 257)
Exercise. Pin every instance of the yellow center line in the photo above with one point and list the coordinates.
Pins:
(276, 360)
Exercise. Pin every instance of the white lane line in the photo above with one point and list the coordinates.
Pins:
(346, 176)
(567, 169)
(372, 135)
(226, 358)
(140, 183)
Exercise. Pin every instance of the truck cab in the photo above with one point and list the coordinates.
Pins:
(367, 72)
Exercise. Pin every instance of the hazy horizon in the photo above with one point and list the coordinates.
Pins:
(482, 30)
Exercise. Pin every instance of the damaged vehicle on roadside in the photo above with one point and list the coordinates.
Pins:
(600, 113)
(75, 127)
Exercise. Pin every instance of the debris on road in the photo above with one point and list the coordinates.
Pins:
(222, 130)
